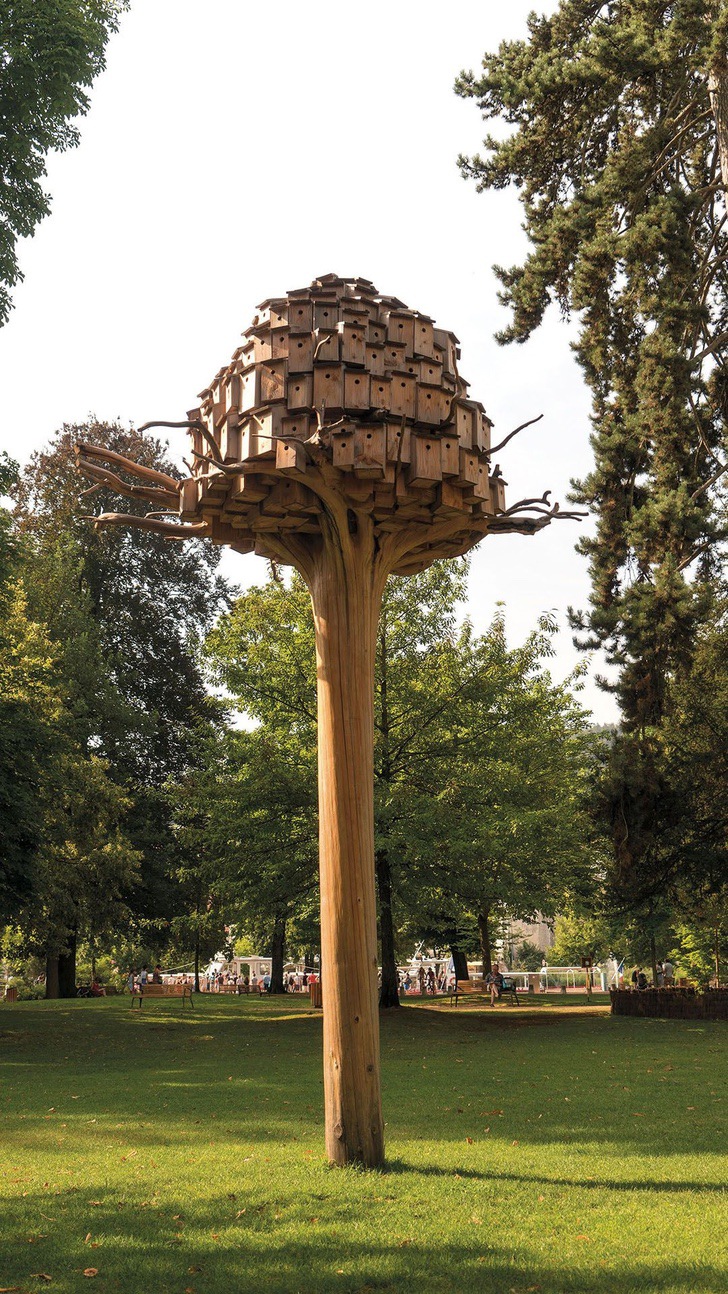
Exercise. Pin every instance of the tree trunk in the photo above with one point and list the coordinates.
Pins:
(67, 968)
(389, 992)
(485, 952)
(277, 955)
(717, 956)
(653, 958)
(460, 962)
(52, 989)
(718, 89)
(197, 963)
(346, 605)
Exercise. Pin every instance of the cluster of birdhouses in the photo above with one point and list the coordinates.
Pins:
(338, 373)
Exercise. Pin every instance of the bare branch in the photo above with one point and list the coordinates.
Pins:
(104, 477)
(172, 530)
(719, 342)
(515, 432)
(194, 424)
(136, 469)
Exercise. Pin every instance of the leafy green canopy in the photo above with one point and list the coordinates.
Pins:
(479, 758)
(121, 620)
(615, 146)
(50, 53)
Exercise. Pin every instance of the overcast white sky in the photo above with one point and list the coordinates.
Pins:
(234, 151)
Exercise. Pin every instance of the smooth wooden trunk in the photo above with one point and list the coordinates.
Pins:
(346, 607)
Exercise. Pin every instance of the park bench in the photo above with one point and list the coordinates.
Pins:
(163, 990)
(478, 988)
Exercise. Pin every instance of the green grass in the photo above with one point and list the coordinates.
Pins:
(546, 1149)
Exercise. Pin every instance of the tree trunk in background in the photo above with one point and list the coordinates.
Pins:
(389, 992)
(485, 952)
(717, 956)
(460, 962)
(277, 955)
(197, 964)
(653, 958)
(718, 89)
(67, 969)
(52, 989)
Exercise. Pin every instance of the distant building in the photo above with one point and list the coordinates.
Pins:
(539, 932)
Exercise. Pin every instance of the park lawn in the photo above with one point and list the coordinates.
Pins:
(546, 1149)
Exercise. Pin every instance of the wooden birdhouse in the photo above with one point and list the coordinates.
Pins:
(374, 358)
(328, 386)
(398, 443)
(425, 466)
(300, 393)
(326, 316)
(300, 353)
(401, 329)
(353, 344)
(300, 316)
(498, 493)
(403, 395)
(424, 338)
(429, 404)
(356, 391)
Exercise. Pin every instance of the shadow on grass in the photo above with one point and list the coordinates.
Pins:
(142, 1251)
(671, 1186)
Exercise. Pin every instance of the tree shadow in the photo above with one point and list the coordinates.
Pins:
(259, 1254)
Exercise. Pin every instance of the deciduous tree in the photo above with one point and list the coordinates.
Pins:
(50, 54)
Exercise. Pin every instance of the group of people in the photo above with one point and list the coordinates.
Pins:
(422, 981)
(665, 976)
(219, 981)
(425, 981)
(137, 980)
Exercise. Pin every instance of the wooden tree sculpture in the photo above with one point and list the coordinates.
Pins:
(339, 439)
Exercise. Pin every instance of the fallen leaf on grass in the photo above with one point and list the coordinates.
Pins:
(88, 1237)
(240, 1213)
(9, 1289)
(90, 1271)
(582, 1237)
(469, 1140)
(192, 1270)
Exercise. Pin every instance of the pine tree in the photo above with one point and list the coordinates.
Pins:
(619, 148)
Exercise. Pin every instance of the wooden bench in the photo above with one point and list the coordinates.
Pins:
(162, 990)
(478, 988)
